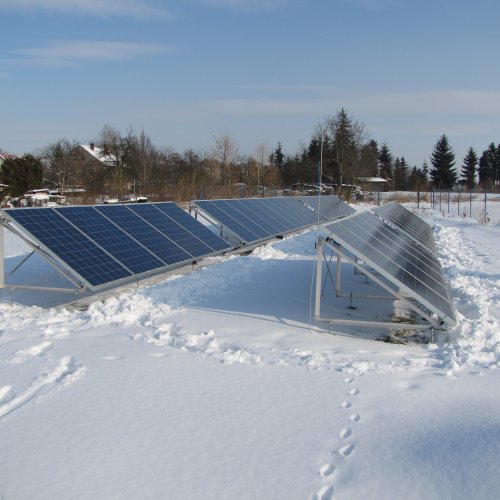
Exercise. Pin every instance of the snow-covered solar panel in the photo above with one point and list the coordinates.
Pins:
(253, 220)
(409, 267)
(100, 245)
(330, 207)
(408, 222)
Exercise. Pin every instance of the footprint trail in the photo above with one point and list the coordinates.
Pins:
(329, 471)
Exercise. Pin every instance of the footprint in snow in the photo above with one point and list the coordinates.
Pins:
(345, 433)
(25, 355)
(349, 380)
(325, 493)
(327, 470)
(346, 450)
(354, 392)
(112, 358)
(65, 372)
(354, 417)
(346, 404)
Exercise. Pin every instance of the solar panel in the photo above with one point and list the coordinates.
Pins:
(103, 244)
(407, 266)
(408, 222)
(133, 255)
(330, 206)
(145, 234)
(189, 224)
(77, 252)
(253, 220)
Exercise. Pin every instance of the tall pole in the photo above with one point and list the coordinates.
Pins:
(2, 282)
(319, 268)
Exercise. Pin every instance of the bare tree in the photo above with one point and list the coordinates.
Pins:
(60, 165)
(262, 154)
(225, 152)
(118, 152)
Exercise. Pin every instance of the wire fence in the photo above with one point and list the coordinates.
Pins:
(464, 203)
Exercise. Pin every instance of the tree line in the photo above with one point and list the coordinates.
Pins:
(129, 162)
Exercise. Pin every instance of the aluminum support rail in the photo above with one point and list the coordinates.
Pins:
(2, 257)
(337, 249)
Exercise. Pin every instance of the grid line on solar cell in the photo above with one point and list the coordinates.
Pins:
(70, 245)
(295, 211)
(278, 223)
(258, 219)
(395, 255)
(267, 221)
(114, 240)
(408, 222)
(214, 210)
(145, 234)
(240, 213)
(192, 226)
(289, 210)
(330, 206)
(170, 229)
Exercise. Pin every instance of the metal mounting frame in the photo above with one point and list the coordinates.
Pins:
(396, 294)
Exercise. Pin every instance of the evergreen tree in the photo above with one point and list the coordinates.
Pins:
(400, 174)
(469, 169)
(343, 144)
(369, 159)
(278, 157)
(385, 162)
(21, 174)
(489, 166)
(424, 172)
(443, 174)
(414, 179)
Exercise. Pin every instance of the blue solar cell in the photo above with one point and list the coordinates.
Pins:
(214, 210)
(241, 213)
(149, 237)
(112, 239)
(291, 211)
(263, 208)
(193, 227)
(263, 219)
(169, 228)
(258, 219)
(66, 242)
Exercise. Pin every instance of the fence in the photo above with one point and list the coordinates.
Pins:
(465, 203)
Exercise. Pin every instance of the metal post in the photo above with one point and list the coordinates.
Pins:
(2, 280)
(448, 201)
(319, 268)
(470, 203)
(458, 201)
(338, 273)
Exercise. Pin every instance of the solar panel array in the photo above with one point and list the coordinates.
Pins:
(253, 220)
(104, 244)
(405, 220)
(330, 207)
(409, 267)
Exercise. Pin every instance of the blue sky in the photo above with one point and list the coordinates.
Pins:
(261, 71)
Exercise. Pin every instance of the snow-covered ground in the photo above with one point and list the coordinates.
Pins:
(214, 385)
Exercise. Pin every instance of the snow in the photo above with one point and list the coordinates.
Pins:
(215, 384)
